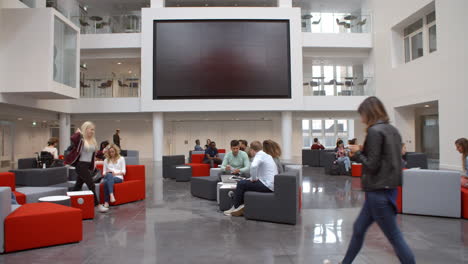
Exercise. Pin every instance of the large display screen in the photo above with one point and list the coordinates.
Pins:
(228, 59)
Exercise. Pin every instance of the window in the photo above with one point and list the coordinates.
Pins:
(432, 32)
(414, 37)
(327, 131)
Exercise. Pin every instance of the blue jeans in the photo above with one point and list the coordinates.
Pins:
(378, 207)
(13, 198)
(109, 181)
(346, 161)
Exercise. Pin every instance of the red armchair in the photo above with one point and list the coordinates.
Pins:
(132, 189)
(42, 224)
(464, 203)
(7, 179)
(199, 169)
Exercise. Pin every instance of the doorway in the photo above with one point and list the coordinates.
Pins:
(430, 136)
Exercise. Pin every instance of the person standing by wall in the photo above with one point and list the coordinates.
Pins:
(116, 138)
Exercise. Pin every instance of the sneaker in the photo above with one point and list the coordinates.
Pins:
(102, 209)
(239, 211)
(228, 212)
(106, 205)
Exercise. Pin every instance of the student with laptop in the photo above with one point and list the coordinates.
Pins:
(262, 175)
(236, 162)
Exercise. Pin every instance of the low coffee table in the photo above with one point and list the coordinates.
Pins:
(58, 199)
(83, 200)
(183, 173)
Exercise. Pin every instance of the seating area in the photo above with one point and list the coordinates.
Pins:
(34, 223)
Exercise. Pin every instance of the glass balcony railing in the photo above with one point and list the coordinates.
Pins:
(129, 23)
(346, 86)
(110, 87)
(335, 23)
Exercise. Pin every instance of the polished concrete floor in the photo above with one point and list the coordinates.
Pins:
(171, 226)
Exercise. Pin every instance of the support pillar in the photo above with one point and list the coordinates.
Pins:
(158, 136)
(64, 132)
(286, 135)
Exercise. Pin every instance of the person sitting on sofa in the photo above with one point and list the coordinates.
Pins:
(342, 155)
(317, 144)
(114, 171)
(52, 147)
(236, 162)
(197, 146)
(462, 147)
(404, 163)
(274, 150)
(211, 155)
(244, 146)
(262, 176)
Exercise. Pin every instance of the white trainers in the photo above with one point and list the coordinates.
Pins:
(228, 212)
(102, 209)
(239, 211)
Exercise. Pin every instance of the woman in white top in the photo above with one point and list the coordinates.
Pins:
(114, 170)
(52, 147)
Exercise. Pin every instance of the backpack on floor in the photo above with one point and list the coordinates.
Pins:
(338, 168)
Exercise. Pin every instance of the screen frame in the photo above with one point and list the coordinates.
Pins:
(288, 33)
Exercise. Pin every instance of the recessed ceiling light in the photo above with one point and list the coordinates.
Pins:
(427, 106)
(129, 71)
(20, 118)
(34, 123)
(119, 63)
(43, 121)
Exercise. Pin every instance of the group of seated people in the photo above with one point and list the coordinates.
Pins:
(257, 164)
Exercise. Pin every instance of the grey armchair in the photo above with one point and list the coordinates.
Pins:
(55, 177)
(416, 160)
(280, 206)
(27, 163)
(169, 162)
(311, 157)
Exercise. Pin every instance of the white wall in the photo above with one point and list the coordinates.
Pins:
(333, 40)
(110, 41)
(29, 139)
(27, 68)
(12, 4)
(439, 76)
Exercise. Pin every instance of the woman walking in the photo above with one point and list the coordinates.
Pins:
(381, 159)
(82, 158)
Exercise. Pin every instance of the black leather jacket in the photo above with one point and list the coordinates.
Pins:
(381, 158)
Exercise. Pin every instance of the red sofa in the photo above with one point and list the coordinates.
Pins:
(464, 203)
(7, 179)
(42, 224)
(132, 189)
(199, 169)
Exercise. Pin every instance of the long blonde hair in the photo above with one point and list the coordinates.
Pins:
(117, 153)
(88, 141)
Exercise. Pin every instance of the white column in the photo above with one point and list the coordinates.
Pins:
(158, 136)
(64, 132)
(157, 3)
(286, 134)
(284, 3)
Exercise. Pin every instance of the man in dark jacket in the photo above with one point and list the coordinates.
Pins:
(116, 138)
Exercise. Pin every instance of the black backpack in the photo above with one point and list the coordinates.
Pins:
(44, 157)
(338, 168)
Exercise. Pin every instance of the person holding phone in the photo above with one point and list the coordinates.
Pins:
(236, 162)
(114, 171)
(381, 160)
